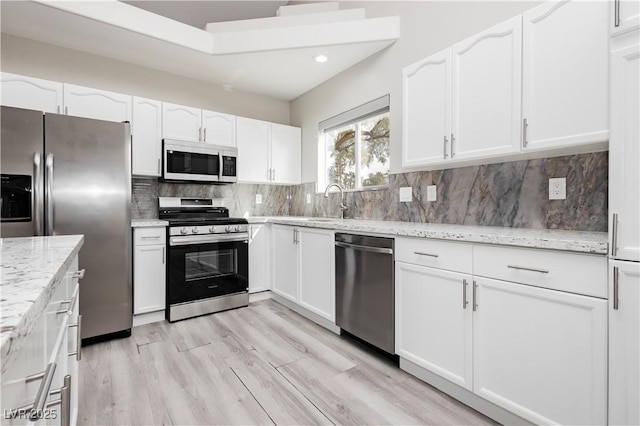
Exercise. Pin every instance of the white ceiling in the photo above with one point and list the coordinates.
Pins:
(276, 62)
(199, 13)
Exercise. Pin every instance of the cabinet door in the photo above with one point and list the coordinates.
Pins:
(218, 128)
(285, 262)
(434, 321)
(565, 66)
(285, 154)
(624, 343)
(181, 122)
(541, 354)
(317, 272)
(146, 129)
(624, 16)
(31, 93)
(486, 90)
(259, 258)
(426, 98)
(624, 174)
(253, 150)
(97, 104)
(149, 279)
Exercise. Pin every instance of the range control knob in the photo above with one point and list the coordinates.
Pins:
(183, 231)
(212, 229)
(195, 230)
(229, 228)
(238, 228)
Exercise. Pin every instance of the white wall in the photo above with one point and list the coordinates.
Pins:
(41, 60)
(426, 27)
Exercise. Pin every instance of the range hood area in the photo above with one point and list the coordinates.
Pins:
(272, 57)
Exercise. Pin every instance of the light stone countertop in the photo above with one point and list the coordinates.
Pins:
(31, 268)
(573, 241)
(148, 223)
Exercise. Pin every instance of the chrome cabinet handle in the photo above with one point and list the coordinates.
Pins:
(58, 109)
(525, 127)
(163, 255)
(151, 237)
(64, 401)
(616, 19)
(525, 268)
(475, 296)
(78, 274)
(614, 235)
(419, 253)
(43, 390)
(205, 134)
(49, 195)
(37, 195)
(464, 294)
(159, 171)
(616, 288)
(78, 326)
(445, 146)
(453, 149)
(66, 110)
(199, 134)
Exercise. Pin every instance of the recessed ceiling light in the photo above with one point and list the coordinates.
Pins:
(321, 59)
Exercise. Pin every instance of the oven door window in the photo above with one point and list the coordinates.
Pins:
(180, 162)
(201, 271)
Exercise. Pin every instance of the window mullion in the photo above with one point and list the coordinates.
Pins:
(357, 147)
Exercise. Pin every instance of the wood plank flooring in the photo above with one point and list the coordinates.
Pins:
(263, 364)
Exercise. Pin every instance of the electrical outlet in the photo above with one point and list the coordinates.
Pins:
(558, 188)
(431, 193)
(406, 196)
(258, 198)
(308, 198)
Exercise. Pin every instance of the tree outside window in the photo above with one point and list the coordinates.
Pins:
(357, 154)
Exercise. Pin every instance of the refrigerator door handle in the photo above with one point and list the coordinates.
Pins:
(49, 195)
(37, 195)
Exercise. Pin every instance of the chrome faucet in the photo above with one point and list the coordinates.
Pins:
(343, 208)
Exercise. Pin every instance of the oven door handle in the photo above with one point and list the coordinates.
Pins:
(202, 239)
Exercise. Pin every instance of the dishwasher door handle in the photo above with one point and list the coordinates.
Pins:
(364, 248)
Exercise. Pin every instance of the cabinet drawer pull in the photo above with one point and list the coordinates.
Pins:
(64, 401)
(453, 146)
(78, 352)
(419, 253)
(445, 146)
(525, 126)
(475, 296)
(43, 390)
(464, 294)
(616, 289)
(154, 237)
(78, 274)
(524, 268)
(614, 235)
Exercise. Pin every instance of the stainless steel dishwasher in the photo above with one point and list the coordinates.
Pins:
(365, 288)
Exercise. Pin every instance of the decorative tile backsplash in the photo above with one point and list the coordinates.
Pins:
(512, 194)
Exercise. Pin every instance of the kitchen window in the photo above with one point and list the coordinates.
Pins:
(354, 147)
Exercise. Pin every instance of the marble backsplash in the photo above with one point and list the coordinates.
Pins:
(511, 194)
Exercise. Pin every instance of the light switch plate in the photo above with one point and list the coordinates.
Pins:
(258, 198)
(431, 193)
(308, 198)
(406, 196)
(557, 188)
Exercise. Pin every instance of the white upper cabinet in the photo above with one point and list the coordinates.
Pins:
(624, 174)
(565, 74)
(285, 154)
(146, 132)
(426, 98)
(218, 128)
(97, 104)
(268, 152)
(181, 122)
(624, 16)
(253, 150)
(31, 93)
(486, 92)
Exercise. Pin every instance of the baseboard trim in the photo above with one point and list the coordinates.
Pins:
(148, 318)
(260, 295)
(323, 322)
(463, 395)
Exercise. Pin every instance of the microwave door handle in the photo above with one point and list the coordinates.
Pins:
(220, 172)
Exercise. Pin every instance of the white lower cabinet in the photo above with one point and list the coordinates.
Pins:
(50, 347)
(303, 268)
(434, 321)
(149, 270)
(259, 258)
(539, 353)
(624, 343)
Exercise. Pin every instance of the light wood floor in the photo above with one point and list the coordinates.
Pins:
(264, 364)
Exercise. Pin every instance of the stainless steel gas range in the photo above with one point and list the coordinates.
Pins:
(208, 267)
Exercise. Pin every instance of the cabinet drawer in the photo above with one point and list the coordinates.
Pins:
(149, 236)
(447, 255)
(576, 273)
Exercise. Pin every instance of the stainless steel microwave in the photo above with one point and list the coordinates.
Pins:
(185, 161)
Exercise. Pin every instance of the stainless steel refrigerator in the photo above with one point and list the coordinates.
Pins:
(65, 175)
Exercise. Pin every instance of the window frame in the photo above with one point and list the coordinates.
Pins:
(354, 117)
